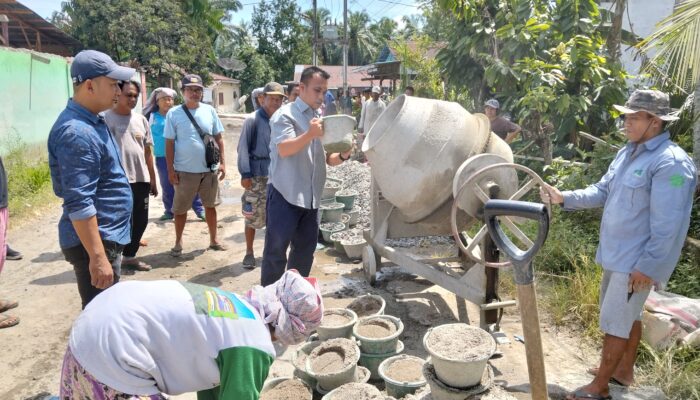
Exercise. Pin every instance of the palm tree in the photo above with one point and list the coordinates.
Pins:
(212, 13)
(677, 41)
(362, 46)
(384, 29)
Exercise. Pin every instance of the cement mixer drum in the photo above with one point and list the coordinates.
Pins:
(417, 145)
(506, 180)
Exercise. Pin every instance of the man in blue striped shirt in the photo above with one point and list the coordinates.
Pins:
(647, 196)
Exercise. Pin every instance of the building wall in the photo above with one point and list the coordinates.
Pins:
(225, 97)
(36, 87)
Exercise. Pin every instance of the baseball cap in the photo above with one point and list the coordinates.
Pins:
(274, 88)
(192, 80)
(90, 64)
(652, 101)
(376, 89)
(493, 103)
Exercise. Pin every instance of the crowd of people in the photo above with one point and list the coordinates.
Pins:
(148, 339)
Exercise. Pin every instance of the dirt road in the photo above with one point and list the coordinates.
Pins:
(44, 284)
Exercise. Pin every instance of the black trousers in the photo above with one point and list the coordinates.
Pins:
(288, 227)
(79, 258)
(139, 216)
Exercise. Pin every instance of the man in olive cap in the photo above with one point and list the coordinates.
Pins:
(185, 156)
(254, 164)
(87, 174)
(646, 195)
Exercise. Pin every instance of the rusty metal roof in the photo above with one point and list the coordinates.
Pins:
(29, 30)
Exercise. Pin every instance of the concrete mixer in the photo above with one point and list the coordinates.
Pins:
(434, 166)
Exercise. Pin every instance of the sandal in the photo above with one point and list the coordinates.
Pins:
(136, 264)
(143, 243)
(7, 305)
(594, 371)
(176, 251)
(217, 247)
(580, 394)
(7, 321)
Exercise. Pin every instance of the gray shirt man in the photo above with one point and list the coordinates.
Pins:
(301, 176)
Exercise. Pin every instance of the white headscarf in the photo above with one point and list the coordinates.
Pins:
(157, 94)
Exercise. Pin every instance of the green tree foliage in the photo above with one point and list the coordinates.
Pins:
(150, 33)
(363, 45)
(543, 59)
(282, 38)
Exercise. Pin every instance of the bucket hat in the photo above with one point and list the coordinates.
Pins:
(654, 102)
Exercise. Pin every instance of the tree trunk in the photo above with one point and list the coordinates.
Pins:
(615, 36)
(696, 127)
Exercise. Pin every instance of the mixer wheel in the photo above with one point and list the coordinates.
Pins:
(369, 265)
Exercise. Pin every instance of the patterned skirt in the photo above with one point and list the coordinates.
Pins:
(78, 384)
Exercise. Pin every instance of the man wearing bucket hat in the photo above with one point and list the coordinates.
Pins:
(87, 174)
(505, 129)
(646, 195)
(254, 164)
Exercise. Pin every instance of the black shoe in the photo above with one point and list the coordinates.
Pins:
(12, 254)
(249, 261)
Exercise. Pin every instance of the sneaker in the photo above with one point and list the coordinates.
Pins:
(11, 254)
(202, 217)
(165, 217)
(249, 261)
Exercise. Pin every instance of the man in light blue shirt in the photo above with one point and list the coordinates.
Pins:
(297, 176)
(186, 160)
(647, 196)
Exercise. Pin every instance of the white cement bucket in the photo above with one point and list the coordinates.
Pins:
(337, 133)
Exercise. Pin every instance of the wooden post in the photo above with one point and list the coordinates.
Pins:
(533, 341)
(5, 37)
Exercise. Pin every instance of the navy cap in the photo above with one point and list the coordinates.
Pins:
(192, 80)
(89, 64)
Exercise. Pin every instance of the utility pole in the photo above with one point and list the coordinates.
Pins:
(345, 47)
(315, 41)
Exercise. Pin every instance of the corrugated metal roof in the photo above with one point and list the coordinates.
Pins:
(355, 75)
(30, 31)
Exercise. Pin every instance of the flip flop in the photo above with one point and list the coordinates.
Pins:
(7, 305)
(594, 371)
(176, 251)
(7, 321)
(580, 394)
(143, 243)
(217, 247)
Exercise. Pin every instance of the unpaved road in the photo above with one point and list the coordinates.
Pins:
(44, 284)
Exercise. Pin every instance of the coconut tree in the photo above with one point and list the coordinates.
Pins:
(677, 60)
(363, 45)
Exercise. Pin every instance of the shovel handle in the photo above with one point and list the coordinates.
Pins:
(511, 208)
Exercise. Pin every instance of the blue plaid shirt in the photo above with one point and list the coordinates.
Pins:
(87, 174)
(647, 196)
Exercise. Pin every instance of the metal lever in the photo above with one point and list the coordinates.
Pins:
(524, 279)
(493, 209)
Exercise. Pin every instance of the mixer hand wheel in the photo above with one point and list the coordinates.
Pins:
(476, 185)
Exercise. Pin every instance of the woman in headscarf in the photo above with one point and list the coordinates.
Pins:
(159, 102)
(170, 337)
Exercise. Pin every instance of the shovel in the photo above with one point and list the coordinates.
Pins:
(524, 279)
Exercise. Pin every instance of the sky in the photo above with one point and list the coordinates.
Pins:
(377, 9)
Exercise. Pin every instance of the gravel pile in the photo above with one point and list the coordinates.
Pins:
(356, 176)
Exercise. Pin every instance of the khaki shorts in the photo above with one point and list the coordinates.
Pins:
(257, 197)
(205, 183)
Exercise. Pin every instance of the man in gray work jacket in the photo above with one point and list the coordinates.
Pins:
(646, 195)
(254, 164)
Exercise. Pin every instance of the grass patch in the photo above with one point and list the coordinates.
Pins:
(28, 179)
(676, 371)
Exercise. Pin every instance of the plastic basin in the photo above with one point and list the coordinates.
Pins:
(300, 373)
(398, 388)
(331, 381)
(341, 331)
(347, 199)
(460, 373)
(378, 345)
(373, 361)
(272, 383)
(332, 212)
